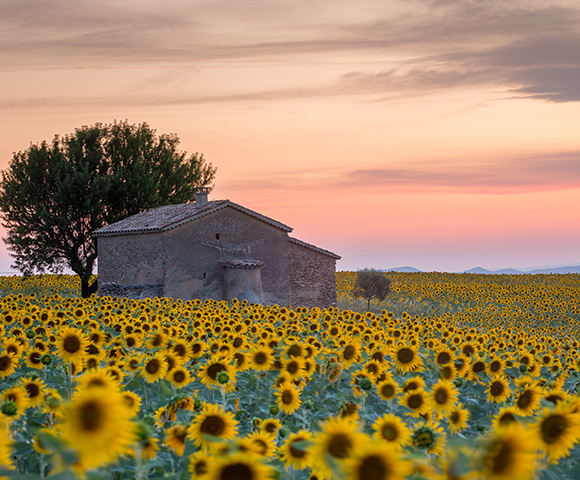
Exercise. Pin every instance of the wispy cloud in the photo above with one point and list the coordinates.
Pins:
(527, 48)
(550, 172)
(512, 175)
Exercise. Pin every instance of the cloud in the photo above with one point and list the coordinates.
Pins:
(559, 171)
(527, 48)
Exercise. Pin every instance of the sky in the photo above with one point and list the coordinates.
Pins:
(441, 134)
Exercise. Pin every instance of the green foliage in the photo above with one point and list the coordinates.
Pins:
(371, 284)
(54, 195)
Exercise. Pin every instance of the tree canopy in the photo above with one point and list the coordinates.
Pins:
(371, 284)
(54, 195)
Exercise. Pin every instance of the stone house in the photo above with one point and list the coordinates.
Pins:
(212, 249)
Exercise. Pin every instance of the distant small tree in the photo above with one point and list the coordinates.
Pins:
(371, 284)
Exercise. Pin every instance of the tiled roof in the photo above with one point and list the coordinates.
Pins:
(314, 247)
(166, 217)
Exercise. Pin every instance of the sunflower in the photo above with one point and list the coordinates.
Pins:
(212, 423)
(350, 353)
(154, 368)
(505, 417)
(498, 389)
(418, 401)
(33, 359)
(349, 411)
(429, 437)
(8, 364)
(443, 396)
(261, 358)
(270, 425)
(406, 358)
(19, 396)
(295, 452)
(175, 438)
(444, 356)
(132, 401)
(457, 418)
(35, 389)
(238, 465)
(393, 430)
(294, 367)
(179, 377)
(198, 465)
(507, 454)
(214, 366)
(376, 462)
(97, 378)
(388, 389)
(71, 344)
(527, 400)
(288, 396)
(97, 425)
(558, 431)
(263, 443)
(335, 443)
(413, 383)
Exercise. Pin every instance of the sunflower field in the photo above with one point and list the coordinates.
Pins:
(451, 377)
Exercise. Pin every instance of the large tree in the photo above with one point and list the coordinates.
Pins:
(54, 195)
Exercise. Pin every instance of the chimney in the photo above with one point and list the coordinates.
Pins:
(201, 194)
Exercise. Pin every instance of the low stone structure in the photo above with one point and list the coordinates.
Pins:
(213, 249)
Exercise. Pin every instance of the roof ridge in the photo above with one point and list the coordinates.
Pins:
(314, 247)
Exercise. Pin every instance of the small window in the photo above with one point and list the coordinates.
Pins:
(217, 236)
(204, 275)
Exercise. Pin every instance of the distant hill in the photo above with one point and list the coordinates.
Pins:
(402, 269)
(536, 271)
(503, 271)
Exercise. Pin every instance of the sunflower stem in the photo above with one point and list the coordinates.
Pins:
(70, 384)
(224, 400)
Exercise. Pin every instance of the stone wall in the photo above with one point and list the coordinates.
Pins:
(312, 276)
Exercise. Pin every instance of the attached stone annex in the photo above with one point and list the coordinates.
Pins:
(212, 250)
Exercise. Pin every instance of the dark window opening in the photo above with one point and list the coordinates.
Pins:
(217, 236)
(204, 275)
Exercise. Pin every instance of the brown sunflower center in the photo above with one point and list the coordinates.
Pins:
(287, 397)
(443, 358)
(441, 396)
(292, 367)
(553, 427)
(495, 366)
(34, 358)
(179, 376)
(237, 471)
(91, 416)
(296, 452)
(213, 425)
(506, 419)
(478, 367)
(373, 468)
(214, 369)
(502, 459)
(496, 389)
(389, 432)
(415, 401)
(295, 351)
(349, 352)
(260, 358)
(339, 445)
(405, 355)
(388, 390)
(152, 366)
(71, 344)
(525, 399)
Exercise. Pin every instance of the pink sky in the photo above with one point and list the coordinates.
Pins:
(438, 134)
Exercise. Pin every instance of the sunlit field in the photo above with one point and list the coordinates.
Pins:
(451, 377)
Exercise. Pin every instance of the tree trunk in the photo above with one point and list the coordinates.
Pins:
(88, 289)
